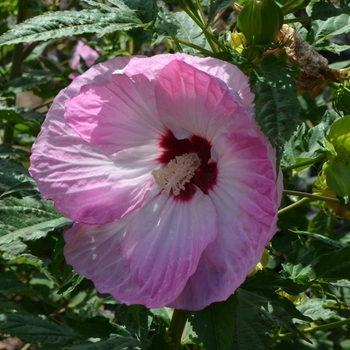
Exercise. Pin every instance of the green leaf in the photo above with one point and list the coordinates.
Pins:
(307, 143)
(115, 343)
(217, 6)
(148, 9)
(324, 10)
(20, 115)
(322, 238)
(215, 325)
(276, 103)
(37, 331)
(52, 25)
(316, 310)
(322, 31)
(135, 319)
(99, 327)
(9, 283)
(228, 325)
(179, 25)
(28, 219)
(6, 150)
(15, 179)
(251, 323)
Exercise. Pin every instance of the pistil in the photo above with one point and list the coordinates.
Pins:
(178, 172)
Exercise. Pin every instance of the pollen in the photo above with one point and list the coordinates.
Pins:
(176, 174)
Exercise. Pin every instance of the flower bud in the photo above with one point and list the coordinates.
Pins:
(342, 100)
(337, 168)
(260, 21)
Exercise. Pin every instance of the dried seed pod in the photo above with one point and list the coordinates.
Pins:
(314, 71)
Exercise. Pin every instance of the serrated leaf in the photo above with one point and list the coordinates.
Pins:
(38, 331)
(276, 103)
(135, 319)
(9, 283)
(20, 115)
(28, 219)
(250, 322)
(6, 150)
(99, 327)
(215, 325)
(324, 10)
(148, 9)
(14, 177)
(53, 25)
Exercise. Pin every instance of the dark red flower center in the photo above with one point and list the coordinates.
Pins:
(200, 173)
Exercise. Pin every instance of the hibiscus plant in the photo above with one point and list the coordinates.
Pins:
(174, 174)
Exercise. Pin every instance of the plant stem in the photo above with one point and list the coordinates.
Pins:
(194, 46)
(303, 163)
(292, 206)
(324, 328)
(176, 328)
(298, 19)
(311, 196)
(16, 68)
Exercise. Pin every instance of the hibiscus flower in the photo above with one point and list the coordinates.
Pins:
(170, 182)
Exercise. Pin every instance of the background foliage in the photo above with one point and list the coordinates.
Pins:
(300, 300)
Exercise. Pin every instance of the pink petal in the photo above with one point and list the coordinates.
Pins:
(147, 257)
(228, 73)
(84, 51)
(246, 201)
(190, 101)
(118, 114)
(85, 182)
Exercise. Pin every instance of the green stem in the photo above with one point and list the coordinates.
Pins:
(194, 46)
(176, 328)
(16, 67)
(323, 328)
(292, 206)
(298, 19)
(311, 196)
(303, 164)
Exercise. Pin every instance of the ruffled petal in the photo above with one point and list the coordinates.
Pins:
(246, 199)
(85, 182)
(228, 73)
(118, 114)
(147, 257)
(190, 101)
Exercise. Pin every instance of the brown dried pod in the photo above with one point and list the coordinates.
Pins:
(314, 71)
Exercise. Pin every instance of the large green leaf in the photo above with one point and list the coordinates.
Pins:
(52, 25)
(28, 219)
(179, 25)
(276, 103)
(322, 31)
(35, 330)
(228, 325)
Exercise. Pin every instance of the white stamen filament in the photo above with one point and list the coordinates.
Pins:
(176, 174)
